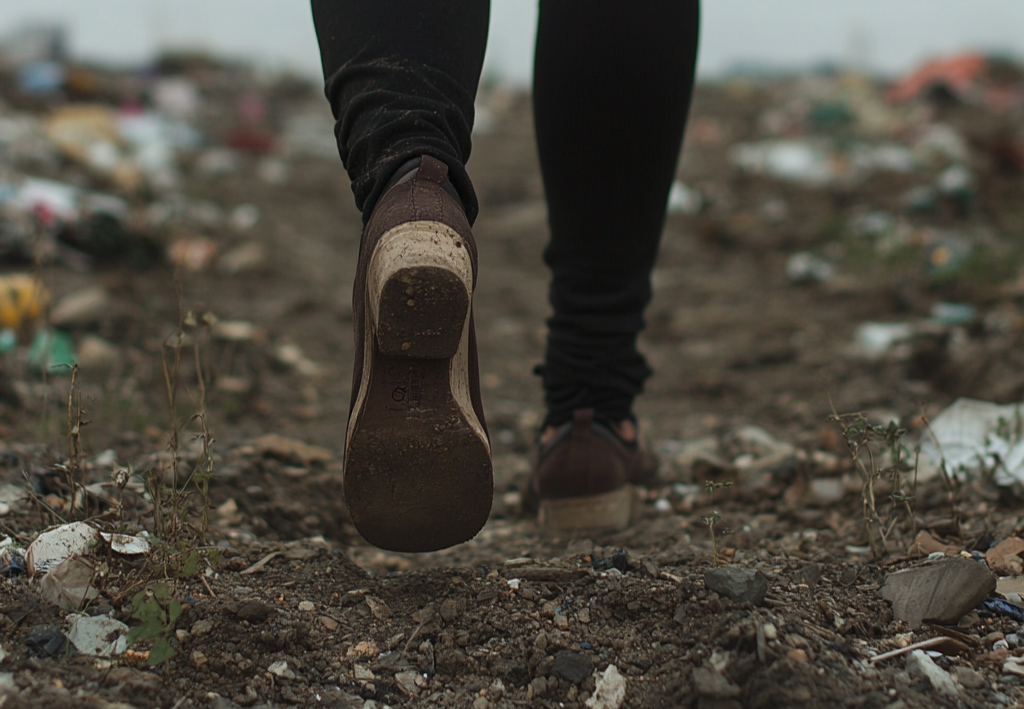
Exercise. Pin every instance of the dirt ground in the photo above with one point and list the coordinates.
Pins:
(749, 366)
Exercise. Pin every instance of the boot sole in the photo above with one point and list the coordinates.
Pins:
(608, 512)
(417, 459)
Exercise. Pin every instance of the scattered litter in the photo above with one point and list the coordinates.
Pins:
(126, 543)
(953, 313)
(53, 352)
(57, 544)
(22, 299)
(81, 307)
(805, 267)
(874, 340)
(941, 591)
(99, 636)
(45, 640)
(69, 584)
(976, 438)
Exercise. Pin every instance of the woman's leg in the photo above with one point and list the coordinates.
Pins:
(611, 91)
(401, 77)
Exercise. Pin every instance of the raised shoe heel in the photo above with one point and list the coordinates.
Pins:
(607, 512)
(419, 285)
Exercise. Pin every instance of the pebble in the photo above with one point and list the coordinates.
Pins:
(572, 666)
(198, 658)
(306, 606)
(970, 678)
(738, 583)
(201, 627)
(610, 692)
(920, 666)
(709, 683)
(770, 632)
(281, 669)
(798, 655)
(481, 703)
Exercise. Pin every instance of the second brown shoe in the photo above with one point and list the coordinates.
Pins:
(585, 476)
(417, 456)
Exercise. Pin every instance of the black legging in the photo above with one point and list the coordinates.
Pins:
(611, 91)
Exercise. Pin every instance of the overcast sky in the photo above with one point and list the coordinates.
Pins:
(885, 35)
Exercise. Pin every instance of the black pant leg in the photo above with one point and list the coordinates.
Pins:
(612, 86)
(401, 77)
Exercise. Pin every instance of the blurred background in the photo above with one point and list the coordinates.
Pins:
(877, 35)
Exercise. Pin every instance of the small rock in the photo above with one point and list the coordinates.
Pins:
(449, 609)
(738, 583)
(920, 666)
(95, 353)
(244, 258)
(451, 661)
(407, 682)
(198, 658)
(941, 592)
(572, 666)
(797, 655)
(1005, 557)
(969, 678)
(201, 627)
(45, 639)
(481, 703)
(81, 307)
(538, 687)
(7, 684)
(281, 669)
(254, 611)
(306, 606)
(709, 683)
(362, 672)
(329, 623)
(770, 632)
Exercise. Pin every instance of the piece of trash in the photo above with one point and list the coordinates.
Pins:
(805, 267)
(22, 299)
(69, 584)
(976, 438)
(953, 313)
(941, 592)
(45, 640)
(874, 340)
(610, 691)
(1001, 606)
(8, 341)
(793, 160)
(684, 200)
(98, 636)
(52, 351)
(126, 543)
(59, 543)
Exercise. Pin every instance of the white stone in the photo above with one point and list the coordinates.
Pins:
(920, 665)
(611, 690)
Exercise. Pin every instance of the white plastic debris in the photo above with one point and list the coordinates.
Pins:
(805, 267)
(793, 160)
(874, 340)
(126, 543)
(55, 545)
(98, 636)
(610, 692)
(977, 438)
(684, 200)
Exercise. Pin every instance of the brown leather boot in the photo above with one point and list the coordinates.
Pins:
(584, 477)
(417, 456)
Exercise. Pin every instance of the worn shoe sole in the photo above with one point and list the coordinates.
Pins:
(608, 512)
(417, 459)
